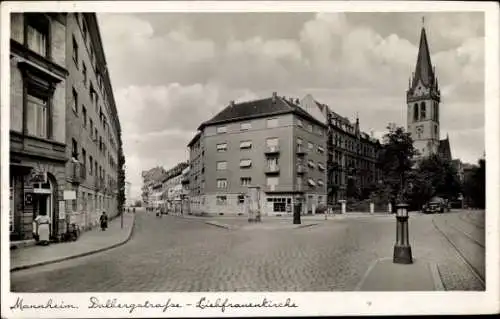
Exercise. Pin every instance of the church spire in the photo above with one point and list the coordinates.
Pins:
(423, 69)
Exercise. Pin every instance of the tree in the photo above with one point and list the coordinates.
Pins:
(395, 163)
(121, 175)
(475, 185)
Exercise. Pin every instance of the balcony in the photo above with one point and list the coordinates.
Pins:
(273, 149)
(301, 169)
(272, 169)
(301, 150)
(75, 173)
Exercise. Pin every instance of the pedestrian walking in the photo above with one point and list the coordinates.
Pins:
(104, 221)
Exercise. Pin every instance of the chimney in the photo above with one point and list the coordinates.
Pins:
(231, 103)
(275, 95)
(297, 101)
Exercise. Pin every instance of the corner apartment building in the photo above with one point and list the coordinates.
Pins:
(271, 143)
(37, 121)
(92, 124)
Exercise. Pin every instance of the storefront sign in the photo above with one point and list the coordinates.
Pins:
(38, 176)
(69, 195)
(62, 209)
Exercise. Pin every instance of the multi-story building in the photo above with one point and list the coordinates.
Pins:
(172, 187)
(92, 124)
(271, 143)
(352, 154)
(423, 97)
(37, 121)
(64, 125)
(149, 178)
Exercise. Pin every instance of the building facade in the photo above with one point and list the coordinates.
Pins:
(150, 178)
(172, 188)
(129, 201)
(352, 154)
(37, 121)
(92, 124)
(423, 99)
(271, 143)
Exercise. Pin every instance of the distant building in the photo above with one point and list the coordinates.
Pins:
(128, 197)
(271, 143)
(150, 179)
(423, 97)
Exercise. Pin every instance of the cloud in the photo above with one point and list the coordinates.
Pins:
(173, 71)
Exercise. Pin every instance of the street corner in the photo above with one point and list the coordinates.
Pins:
(385, 275)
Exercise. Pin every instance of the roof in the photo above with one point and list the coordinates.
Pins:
(153, 174)
(444, 149)
(258, 108)
(423, 69)
(194, 139)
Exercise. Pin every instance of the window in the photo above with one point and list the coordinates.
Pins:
(320, 182)
(311, 164)
(320, 131)
(272, 163)
(221, 183)
(221, 129)
(299, 141)
(311, 182)
(84, 157)
(245, 144)
(245, 163)
(37, 34)
(74, 149)
(272, 142)
(299, 123)
(85, 31)
(75, 51)
(272, 123)
(75, 101)
(95, 134)
(84, 113)
(84, 72)
(415, 112)
(241, 199)
(309, 127)
(245, 181)
(222, 147)
(37, 116)
(91, 169)
(436, 131)
(321, 166)
(245, 126)
(221, 165)
(422, 111)
(221, 200)
(310, 146)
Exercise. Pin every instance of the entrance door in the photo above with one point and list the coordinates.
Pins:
(43, 203)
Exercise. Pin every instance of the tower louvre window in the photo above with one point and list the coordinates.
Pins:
(422, 111)
(415, 112)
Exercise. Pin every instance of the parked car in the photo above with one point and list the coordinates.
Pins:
(436, 205)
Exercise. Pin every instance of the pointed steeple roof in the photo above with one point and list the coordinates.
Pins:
(423, 70)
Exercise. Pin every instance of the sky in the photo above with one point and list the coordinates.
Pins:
(172, 71)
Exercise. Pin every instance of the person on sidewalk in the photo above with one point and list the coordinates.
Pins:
(41, 229)
(104, 221)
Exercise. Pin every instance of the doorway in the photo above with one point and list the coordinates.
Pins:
(43, 203)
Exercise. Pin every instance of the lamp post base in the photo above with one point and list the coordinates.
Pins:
(402, 255)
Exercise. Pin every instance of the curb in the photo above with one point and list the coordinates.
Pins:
(53, 261)
(24, 243)
(217, 225)
(307, 225)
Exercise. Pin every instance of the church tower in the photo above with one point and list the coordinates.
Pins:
(423, 98)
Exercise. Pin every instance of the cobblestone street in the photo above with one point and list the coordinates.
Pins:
(179, 254)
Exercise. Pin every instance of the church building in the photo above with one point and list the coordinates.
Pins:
(423, 99)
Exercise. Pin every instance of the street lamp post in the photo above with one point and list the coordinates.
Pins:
(402, 248)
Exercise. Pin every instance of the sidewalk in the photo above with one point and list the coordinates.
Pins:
(89, 242)
(384, 275)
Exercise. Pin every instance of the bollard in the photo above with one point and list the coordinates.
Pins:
(343, 205)
(402, 248)
(389, 208)
(372, 208)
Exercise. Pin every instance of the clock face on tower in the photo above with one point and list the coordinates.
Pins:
(420, 131)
